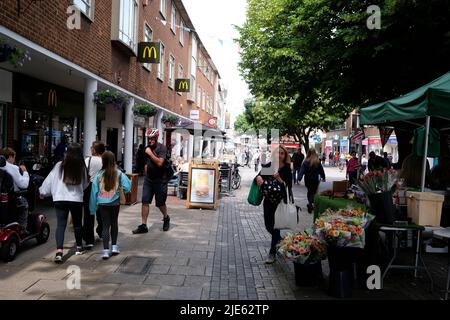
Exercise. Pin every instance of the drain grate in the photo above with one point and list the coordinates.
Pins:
(135, 265)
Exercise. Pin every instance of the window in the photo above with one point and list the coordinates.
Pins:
(163, 8)
(203, 99)
(180, 72)
(173, 17)
(171, 71)
(148, 37)
(128, 22)
(161, 64)
(194, 56)
(192, 91)
(182, 32)
(85, 6)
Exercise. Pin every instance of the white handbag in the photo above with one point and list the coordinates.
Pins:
(286, 214)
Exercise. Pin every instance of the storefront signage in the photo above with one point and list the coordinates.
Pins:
(194, 114)
(182, 85)
(329, 143)
(212, 121)
(344, 143)
(203, 184)
(52, 98)
(374, 141)
(149, 52)
(336, 137)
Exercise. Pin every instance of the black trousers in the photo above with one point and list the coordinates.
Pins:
(89, 220)
(269, 221)
(62, 209)
(311, 186)
(110, 218)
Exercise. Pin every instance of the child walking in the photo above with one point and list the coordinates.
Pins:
(105, 197)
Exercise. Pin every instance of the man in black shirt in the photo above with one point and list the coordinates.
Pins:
(297, 160)
(376, 162)
(155, 184)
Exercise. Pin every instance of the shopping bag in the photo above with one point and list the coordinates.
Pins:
(254, 196)
(286, 215)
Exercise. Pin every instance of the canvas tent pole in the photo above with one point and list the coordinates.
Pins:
(425, 154)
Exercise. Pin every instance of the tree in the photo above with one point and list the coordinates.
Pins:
(241, 125)
(293, 49)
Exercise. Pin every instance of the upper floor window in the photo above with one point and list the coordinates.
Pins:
(194, 56)
(85, 6)
(161, 64)
(171, 71)
(182, 32)
(128, 22)
(180, 71)
(173, 17)
(163, 8)
(199, 96)
(148, 37)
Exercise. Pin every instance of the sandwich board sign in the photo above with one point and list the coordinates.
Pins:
(203, 180)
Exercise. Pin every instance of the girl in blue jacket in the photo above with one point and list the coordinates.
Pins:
(105, 196)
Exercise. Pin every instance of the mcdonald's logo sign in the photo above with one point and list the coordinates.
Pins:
(182, 85)
(149, 52)
(52, 98)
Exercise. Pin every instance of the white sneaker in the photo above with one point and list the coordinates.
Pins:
(115, 250)
(106, 254)
(79, 251)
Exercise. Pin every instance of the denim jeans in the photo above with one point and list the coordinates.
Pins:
(269, 221)
(62, 213)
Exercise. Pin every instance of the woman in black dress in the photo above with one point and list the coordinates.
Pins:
(273, 182)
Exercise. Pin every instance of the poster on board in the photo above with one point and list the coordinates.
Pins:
(203, 185)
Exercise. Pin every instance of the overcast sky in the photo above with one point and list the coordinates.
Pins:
(213, 21)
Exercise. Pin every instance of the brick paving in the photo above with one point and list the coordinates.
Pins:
(207, 254)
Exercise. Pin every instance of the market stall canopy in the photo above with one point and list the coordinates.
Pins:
(432, 99)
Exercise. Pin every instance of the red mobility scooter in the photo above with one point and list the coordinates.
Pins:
(11, 235)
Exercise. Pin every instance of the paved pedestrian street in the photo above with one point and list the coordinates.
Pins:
(206, 255)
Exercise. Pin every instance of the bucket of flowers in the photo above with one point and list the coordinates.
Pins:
(306, 251)
(378, 187)
(107, 97)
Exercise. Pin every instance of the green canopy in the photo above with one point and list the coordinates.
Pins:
(432, 100)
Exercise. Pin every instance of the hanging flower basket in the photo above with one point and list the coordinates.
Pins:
(14, 55)
(107, 97)
(169, 120)
(144, 110)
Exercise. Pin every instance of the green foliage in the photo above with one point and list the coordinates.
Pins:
(107, 97)
(144, 109)
(293, 49)
(241, 125)
(169, 119)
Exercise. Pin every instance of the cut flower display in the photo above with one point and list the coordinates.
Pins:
(302, 248)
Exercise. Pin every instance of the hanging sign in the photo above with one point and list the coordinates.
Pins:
(149, 52)
(385, 133)
(182, 85)
(52, 98)
(358, 135)
(212, 122)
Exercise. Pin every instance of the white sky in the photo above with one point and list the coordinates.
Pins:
(214, 20)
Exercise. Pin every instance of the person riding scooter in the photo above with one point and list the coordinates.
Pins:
(6, 190)
(21, 181)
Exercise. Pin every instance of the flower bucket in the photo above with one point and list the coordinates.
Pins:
(382, 207)
(340, 284)
(307, 274)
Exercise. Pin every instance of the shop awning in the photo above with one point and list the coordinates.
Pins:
(193, 128)
(432, 99)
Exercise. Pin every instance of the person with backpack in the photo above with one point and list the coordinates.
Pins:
(66, 184)
(155, 182)
(312, 169)
(94, 165)
(107, 186)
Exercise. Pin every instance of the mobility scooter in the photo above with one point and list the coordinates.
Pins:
(11, 235)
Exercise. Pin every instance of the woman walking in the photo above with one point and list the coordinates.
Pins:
(94, 165)
(312, 169)
(273, 186)
(66, 183)
(105, 196)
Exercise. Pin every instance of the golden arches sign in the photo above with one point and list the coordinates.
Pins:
(149, 52)
(183, 85)
(52, 100)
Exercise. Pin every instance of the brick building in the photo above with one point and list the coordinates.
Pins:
(72, 62)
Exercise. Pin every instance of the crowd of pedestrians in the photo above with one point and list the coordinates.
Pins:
(86, 190)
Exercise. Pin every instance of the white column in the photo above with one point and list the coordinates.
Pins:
(190, 148)
(178, 144)
(128, 149)
(158, 125)
(90, 115)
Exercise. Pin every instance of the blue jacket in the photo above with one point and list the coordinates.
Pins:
(102, 197)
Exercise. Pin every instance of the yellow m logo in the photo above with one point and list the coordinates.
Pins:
(52, 98)
(183, 85)
(148, 52)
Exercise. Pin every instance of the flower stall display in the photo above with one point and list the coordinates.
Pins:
(145, 110)
(107, 97)
(378, 186)
(169, 120)
(302, 248)
(343, 228)
(14, 55)
(306, 251)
